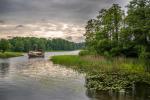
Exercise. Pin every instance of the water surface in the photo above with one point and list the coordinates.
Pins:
(39, 79)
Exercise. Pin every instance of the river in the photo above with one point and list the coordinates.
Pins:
(39, 79)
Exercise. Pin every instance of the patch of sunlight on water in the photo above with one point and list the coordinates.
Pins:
(48, 69)
(39, 79)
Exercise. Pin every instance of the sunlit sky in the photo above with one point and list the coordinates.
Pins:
(49, 18)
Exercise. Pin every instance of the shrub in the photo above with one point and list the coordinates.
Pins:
(84, 52)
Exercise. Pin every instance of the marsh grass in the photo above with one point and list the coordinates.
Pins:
(10, 54)
(99, 63)
(104, 73)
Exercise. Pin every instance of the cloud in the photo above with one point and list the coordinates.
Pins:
(19, 26)
(74, 11)
(49, 18)
(46, 30)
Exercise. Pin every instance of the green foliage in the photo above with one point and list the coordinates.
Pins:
(112, 33)
(10, 54)
(25, 44)
(106, 73)
(102, 46)
(4, 45)
(85, 52)
(139, 24)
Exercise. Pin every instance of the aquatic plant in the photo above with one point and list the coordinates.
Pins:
(106, 73)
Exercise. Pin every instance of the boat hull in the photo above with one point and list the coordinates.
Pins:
(36, 54)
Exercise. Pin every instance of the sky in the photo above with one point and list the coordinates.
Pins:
(49, 18)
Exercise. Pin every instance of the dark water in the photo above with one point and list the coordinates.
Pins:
(39, 79)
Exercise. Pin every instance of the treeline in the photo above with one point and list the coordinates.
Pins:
(114, 33)
(25, 44)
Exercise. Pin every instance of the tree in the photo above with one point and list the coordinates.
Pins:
(26, 44)
(19, 46)
(138, 22)
(113, 33)
(105, 29)
(4, 45)
(90, 34)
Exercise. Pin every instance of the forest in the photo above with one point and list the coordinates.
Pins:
(25, 44)
(115, 32)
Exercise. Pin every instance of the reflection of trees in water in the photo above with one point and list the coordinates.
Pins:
(4, 69)
(147, 65)
(141, 92)
(103, 95)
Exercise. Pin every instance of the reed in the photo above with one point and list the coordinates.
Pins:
(104, 73)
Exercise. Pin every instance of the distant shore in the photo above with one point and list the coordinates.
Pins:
(10, 54)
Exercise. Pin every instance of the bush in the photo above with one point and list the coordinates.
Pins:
(115, 51)
(86, 52)
(102, 46)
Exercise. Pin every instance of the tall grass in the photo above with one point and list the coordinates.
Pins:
(99, 63)
(106, 73)
(10, 54)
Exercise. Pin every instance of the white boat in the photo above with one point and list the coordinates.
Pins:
(33, 54)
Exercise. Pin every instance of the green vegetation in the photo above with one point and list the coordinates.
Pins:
(4, 45)
(25, 44)
(113, 33)
(86, 52)
(10, 54)
(106, 73)
(110, 38)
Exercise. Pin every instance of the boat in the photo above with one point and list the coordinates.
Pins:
(33, 54)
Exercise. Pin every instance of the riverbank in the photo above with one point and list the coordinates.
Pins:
(107, 73)
(10, 54)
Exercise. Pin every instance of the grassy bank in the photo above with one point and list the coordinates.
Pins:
(107, 73)
(10, 54)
